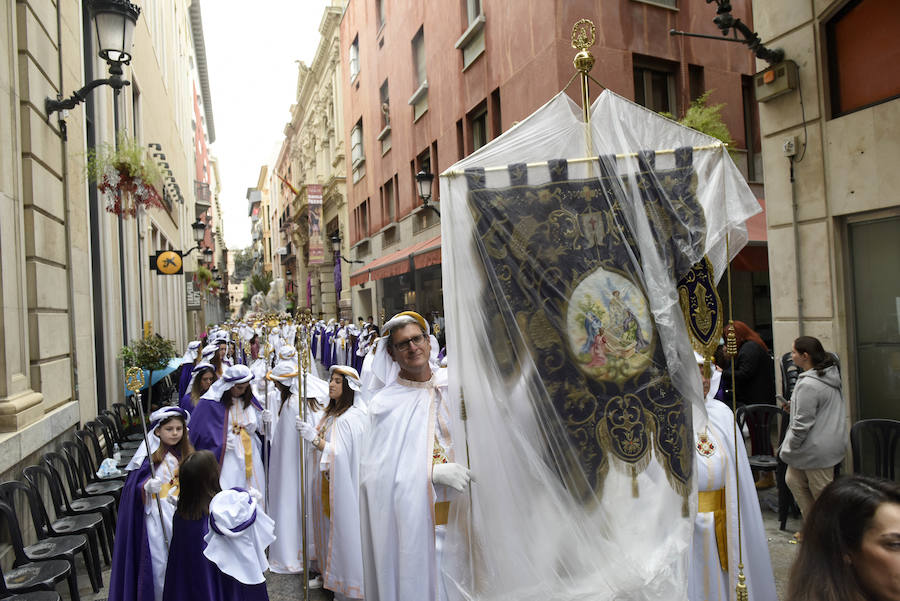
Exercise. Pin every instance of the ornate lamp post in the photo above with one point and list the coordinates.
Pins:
(424, 181)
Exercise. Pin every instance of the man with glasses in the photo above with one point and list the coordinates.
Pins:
(408, 475)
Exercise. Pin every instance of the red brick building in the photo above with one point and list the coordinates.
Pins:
(430, 82)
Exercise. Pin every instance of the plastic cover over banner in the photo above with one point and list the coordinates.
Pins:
(567, 341)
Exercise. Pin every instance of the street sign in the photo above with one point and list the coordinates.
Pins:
(167, 262)
(192, 294)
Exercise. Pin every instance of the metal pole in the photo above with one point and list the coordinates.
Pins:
(134, 380)
(302, 345)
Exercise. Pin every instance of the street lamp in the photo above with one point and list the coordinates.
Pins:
(424, 180)
(198, 229)
(336, 247)
(114, 22)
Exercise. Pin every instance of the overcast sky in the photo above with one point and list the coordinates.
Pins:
(251, 49)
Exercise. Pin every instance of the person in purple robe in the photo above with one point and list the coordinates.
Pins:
(189, 575)
(229, 421)
(239, 533)
(144, 524)
(203, 376)
(187, 363)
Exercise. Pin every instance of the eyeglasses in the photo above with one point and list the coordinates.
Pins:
(416, 341)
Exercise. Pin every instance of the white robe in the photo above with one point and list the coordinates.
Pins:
(399, 536)
(233, 464)
(285, 554)
(159, 554)
(343, 569)
(707, 580)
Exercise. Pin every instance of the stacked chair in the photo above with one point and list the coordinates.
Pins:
(72, 510)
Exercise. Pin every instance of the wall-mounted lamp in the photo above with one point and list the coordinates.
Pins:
(424, 181)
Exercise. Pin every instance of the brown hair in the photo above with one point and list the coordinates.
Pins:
(743, 333)
(342, 403)
(285, 392)
(228, 399)
(198, 483)
(812, 347)
(833, 530)
(182, 450)
(196, 393)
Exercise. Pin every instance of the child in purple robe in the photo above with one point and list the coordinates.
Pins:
(189, 575)
(203, 376)
(145, 512)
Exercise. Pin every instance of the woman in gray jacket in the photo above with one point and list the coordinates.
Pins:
(817, 436)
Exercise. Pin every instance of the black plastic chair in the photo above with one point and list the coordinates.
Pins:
(39, 575)
(113, 422)
(767, 426)
(789, 375)
(874, 444)
(80, 455)
(108, 448)
(70, 503)
(128, 417)
(49, 547)
(80, 523)
(35, 596)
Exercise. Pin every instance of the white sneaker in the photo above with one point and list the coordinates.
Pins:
(315, 582)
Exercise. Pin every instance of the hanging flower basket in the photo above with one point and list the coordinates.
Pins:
(128, 177)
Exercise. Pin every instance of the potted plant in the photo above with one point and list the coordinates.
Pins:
(130, 179)
(151, 353)
(203, 277)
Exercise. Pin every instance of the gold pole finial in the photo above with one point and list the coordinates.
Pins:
(583, 37)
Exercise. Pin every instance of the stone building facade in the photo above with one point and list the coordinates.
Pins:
(75, 283)
(311, 162)
(834, 206)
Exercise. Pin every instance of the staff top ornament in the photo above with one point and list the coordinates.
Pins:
(134, 379)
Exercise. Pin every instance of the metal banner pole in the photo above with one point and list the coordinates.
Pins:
(302, 345)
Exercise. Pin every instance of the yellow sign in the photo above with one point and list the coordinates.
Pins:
(168, 262)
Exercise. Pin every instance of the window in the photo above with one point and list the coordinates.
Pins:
(357, 152)
(388, 202)
(654, 85)
(473, 10)
(379, 14)
(460, 141)
(751, 130)
(418, 51)
(863, 55)
(384, 95)
(478, 131)
(362, 219)
(354, 59)
(695, 77)
(496, 122)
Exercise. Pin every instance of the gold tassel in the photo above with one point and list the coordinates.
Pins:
(730, 340)
(741, 589)
(634, 483)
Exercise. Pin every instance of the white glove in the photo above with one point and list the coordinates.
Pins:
(453, 475)
(307, 432)
(266, 416)
(153, 486)
(229, 443)
(257, 496)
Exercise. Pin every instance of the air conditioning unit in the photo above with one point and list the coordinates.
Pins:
(775, 81)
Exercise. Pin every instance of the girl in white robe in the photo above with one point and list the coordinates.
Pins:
(338, 438)
(714, 560)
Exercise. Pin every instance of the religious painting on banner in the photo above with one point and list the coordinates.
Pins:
(314, 206)
(565, 273)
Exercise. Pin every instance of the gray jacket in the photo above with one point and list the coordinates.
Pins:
(817, 435)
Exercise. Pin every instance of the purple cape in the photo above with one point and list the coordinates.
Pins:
(315, 344)
(208, 426)
(328, 350)
(190, 576)
(131, 578)
(185, 378)
(186, 403)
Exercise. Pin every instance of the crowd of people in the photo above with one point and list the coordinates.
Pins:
(265, 465)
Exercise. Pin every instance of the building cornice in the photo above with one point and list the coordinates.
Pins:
(202, 74)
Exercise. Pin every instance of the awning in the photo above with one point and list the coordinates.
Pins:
(423, 254)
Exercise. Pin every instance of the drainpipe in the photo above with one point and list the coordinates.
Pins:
(67, 228)
(795, 211)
